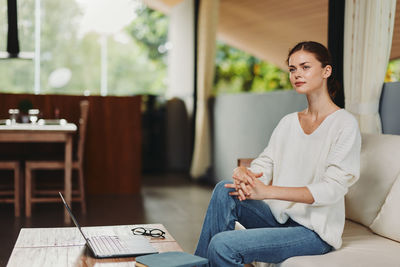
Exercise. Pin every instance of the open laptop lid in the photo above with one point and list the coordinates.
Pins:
(73, 217)
(138, 245)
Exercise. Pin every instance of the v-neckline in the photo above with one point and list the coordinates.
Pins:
(319, 126)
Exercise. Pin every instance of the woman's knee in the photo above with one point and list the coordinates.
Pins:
(218, 245)
(221, 184)
(220, 187)
(221, 248)
(220, 191)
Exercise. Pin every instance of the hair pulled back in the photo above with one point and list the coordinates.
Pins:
(322, 54)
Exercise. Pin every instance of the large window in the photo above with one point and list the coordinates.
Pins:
(91, 47)
(17, 76)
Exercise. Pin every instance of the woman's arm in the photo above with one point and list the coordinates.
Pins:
(261, 191)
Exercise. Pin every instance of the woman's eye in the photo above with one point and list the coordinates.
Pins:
(306, 67)
(291, 70)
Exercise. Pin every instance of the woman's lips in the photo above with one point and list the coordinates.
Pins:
(299, 83)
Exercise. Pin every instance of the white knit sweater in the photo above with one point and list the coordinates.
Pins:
(327, 161)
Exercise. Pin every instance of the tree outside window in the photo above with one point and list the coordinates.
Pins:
(71, 48)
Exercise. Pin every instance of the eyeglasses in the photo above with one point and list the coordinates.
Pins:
(148, 232)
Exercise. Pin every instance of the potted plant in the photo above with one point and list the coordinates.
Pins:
(24, 106)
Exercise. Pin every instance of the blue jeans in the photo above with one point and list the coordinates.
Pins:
(264, 239)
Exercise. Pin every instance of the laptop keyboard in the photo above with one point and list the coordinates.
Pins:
(107, 245)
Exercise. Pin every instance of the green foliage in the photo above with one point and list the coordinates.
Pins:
(135, 65)
(25, 105)
(393, 71)
(237, 71)
(150, 29)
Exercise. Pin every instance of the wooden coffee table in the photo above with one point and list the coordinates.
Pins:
(65, 246)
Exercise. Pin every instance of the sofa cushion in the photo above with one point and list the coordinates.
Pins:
(387, 223)
(360, 247)
(380, 166)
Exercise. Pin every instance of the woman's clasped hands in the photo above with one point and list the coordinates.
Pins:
(247, 185)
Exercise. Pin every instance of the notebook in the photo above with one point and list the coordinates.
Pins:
(114, 246)
(170, 259)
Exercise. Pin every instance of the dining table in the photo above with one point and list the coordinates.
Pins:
(40, 132)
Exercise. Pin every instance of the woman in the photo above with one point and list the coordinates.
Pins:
(291, 199)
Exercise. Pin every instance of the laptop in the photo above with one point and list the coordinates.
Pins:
(105, 246)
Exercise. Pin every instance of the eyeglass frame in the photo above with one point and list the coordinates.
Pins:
(147, 232)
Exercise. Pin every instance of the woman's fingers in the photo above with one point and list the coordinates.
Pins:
(243, 187)
(238, 177)
(244, 175)
(238, 193)
(241, 174)
(242, 190)
(243, 178)
(230, 186)
(237, 183)
(249, 189)
(250, 178)
(258, 175)
(237, 187)
(241, 195)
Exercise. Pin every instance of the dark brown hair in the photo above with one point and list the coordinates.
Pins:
(322, 54)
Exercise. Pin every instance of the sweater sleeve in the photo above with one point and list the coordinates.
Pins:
(342, 168)
(264, 162)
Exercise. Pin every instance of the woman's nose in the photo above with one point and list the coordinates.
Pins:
(297, 74)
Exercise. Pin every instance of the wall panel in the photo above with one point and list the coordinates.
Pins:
(113, 144)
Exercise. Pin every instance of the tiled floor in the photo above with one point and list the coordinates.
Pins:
(172, 200)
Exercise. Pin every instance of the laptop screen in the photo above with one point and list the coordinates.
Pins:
(72, 216)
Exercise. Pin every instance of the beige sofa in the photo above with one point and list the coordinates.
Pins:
(372, 232)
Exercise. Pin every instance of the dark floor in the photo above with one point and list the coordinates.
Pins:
(173, 200)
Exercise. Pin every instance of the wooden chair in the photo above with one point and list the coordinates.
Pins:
(34, 195)
(12, 196)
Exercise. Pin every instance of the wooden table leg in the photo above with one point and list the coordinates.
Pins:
(68, 176)
(28, 192)
(17, 190)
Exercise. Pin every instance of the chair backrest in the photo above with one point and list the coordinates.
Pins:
(84, 105)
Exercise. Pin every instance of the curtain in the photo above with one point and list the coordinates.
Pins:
(207, 31)
(367, 42)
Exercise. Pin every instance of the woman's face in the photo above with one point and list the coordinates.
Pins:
(307, 74)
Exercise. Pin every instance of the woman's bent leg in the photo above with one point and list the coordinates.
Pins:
(220, 216)
(224, 210)
(272, 245)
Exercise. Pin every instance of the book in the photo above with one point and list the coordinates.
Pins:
(170, 259)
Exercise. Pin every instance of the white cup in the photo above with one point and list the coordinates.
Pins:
(33, 115)
(13, 112)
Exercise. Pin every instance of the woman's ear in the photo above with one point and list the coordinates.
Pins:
(327, 71)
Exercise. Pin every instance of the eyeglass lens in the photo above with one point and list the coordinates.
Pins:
(149, 232)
